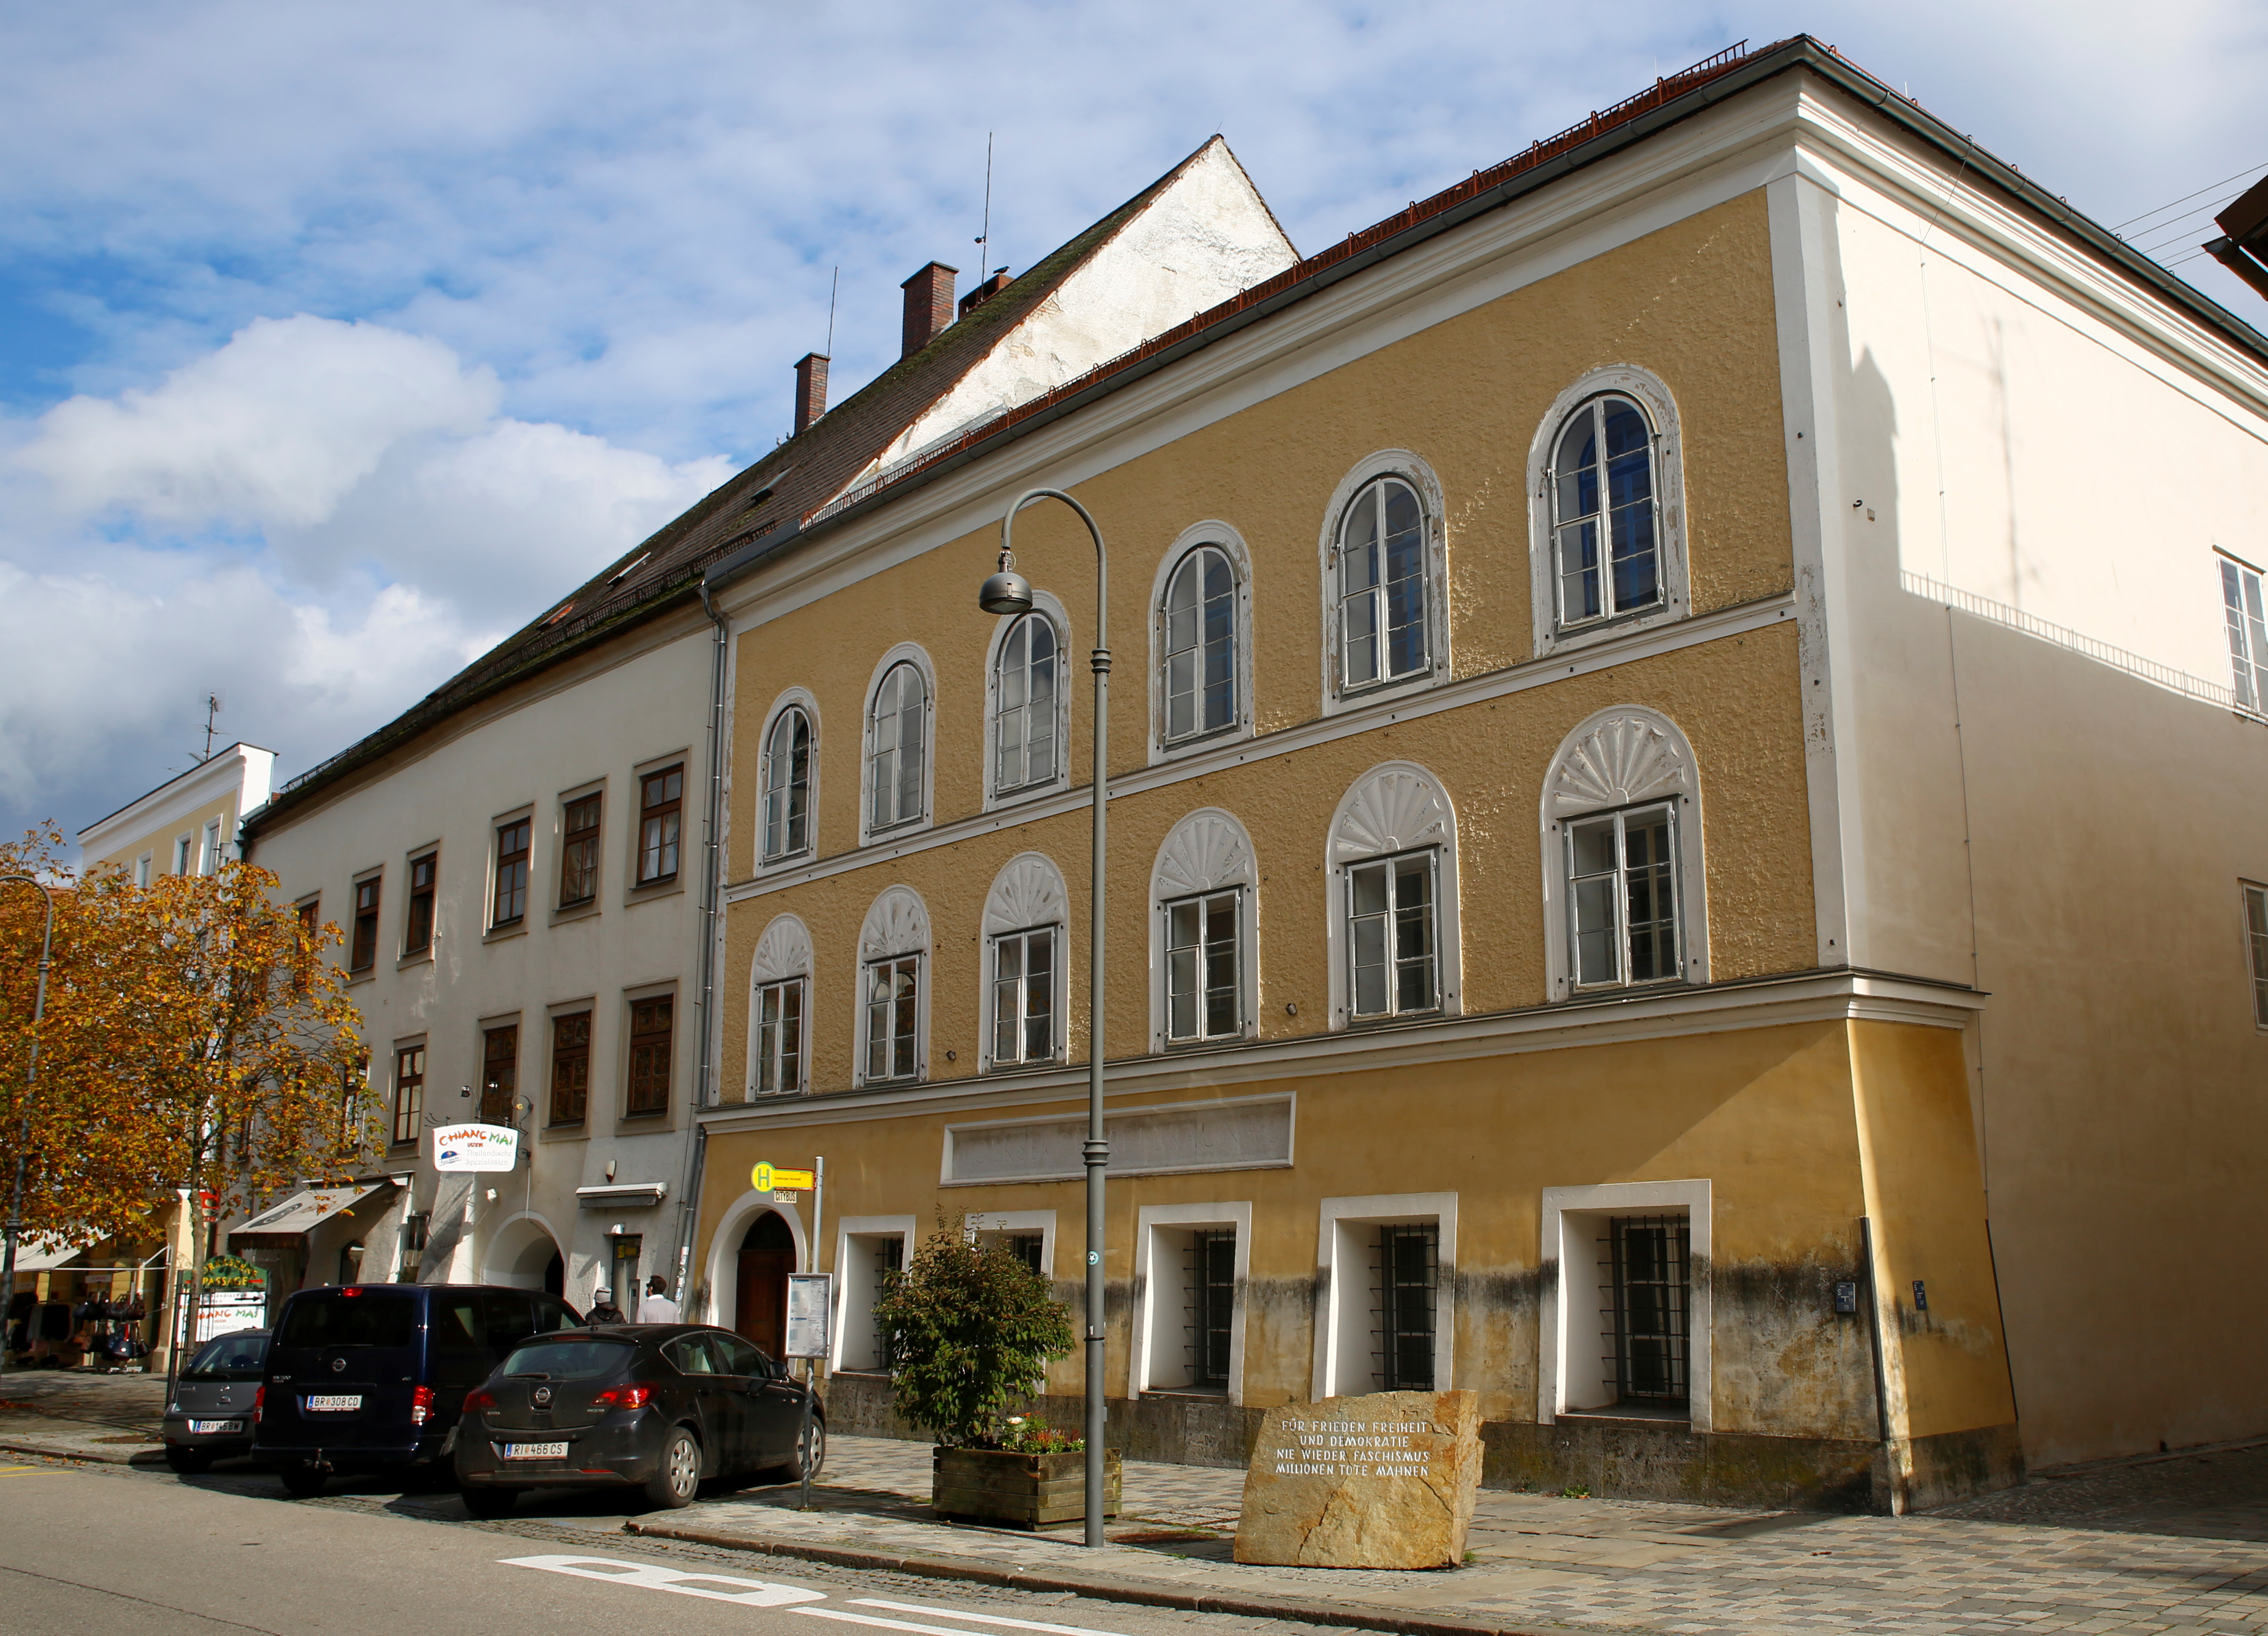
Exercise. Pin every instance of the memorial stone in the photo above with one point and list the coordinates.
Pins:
(1382, 1481)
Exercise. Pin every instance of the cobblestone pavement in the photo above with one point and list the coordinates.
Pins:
(122, 1400)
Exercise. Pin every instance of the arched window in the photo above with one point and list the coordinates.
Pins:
(1203, 953)
(779, 1001)
(1604, 516)
(1384, 613)
(1026, 747)
(1621, 857)
(1025, 970)
(896, 739)
(787, 786)
(1198, 645)
(1392, 856)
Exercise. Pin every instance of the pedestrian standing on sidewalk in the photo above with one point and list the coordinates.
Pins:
(603, 1309)
(657, 1307)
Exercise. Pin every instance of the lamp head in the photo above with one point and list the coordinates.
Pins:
(1006, 592)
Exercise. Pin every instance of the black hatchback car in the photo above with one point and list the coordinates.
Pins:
(370, 1377)
(210, 1415)
(655, 1407)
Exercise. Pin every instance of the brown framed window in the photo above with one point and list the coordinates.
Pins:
(649, 1087)
(571, 1067)
(409, 1092)
(661, 798)
(417, 927)
(311, 918)
(499, 1074)
(512, 872)
(578, 855)
(363, 955)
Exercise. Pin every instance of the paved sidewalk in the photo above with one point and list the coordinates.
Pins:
(2172, 1546)
(82, 1415)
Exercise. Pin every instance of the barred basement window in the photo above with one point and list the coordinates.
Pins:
(1030, 1249)
(1645, 1264)
(1212, 1303)
(1406, 1265)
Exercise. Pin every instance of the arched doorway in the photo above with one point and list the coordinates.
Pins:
(555, 1275)
(766, 1257)
(524, 1256)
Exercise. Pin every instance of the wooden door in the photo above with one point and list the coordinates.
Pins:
(761, 1313)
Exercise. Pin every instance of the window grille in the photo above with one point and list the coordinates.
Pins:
(779, 1037)
(1602, 508)
(1023, 997)
(893, 1016)
(1210, 1306)
(1390, 936)
(1645, 1262)
(1198, 650)
(1204, 998)
(1024, 719)
(1381, 591)
(2248, 635)
(787, 787)
(1030, 1249)
(1622, 877)
(1406, 1268)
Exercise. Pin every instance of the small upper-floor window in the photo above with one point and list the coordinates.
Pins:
(649, 1056)
(2248, 635)
(1619, 813)
(310, 917)
(1393, 945)
(409, 1092)
(417, 924)
(1197, 652)
(1023, 996)
(1384, 611)
(1026, 749)
(895, 741)
(1605, 541)
(1622, 892)
(571, 1067)
(1204, 991)
(362, 954)
(211, 864)
(661, 800)
(184, 846)
(500, 1074)
(1203, 920)
(892, 1017)
(512, 871)
(779, 1037)
(787, 786)
(893, 971)
(142, 870)
(578, 852)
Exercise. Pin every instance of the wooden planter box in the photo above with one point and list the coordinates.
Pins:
(1030, 1490)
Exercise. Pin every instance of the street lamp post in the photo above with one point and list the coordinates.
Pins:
(1007, 591)
(24, 1120)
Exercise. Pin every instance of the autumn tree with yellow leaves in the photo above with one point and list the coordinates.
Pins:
(195, 1036)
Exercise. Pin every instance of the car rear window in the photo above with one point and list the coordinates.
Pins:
(230, 1358)
(335, 1319)
(569, 1360)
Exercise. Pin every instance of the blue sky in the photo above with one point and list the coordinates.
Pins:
(335, 341)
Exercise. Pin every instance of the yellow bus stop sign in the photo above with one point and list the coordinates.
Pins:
(767, 1178)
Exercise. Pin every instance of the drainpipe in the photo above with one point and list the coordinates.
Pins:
(711, 873)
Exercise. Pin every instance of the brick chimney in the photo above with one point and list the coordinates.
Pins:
(984, 291)
(810, 390)
(929, 305)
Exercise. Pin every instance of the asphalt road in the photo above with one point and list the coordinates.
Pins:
(143, 1554)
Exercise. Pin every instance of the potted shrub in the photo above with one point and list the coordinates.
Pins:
(972, 1332)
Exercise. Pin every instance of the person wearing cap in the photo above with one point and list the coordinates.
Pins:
(657, 1307)
(603, 1309)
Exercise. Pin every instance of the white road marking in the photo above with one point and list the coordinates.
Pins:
(749, 1593)
(934, 1630)
(981, 1619)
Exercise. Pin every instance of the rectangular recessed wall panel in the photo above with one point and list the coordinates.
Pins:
(1247, 1134)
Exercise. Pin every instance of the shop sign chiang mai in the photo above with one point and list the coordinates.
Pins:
(476, 1148)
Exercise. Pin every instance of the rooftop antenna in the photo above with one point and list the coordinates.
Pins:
(212, 709)
(985, 238)
(833, 289)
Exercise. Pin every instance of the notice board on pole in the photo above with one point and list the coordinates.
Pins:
(810, 1303)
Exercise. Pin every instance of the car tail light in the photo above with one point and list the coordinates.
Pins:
(421, 1404)
(624, 1398)
(479, 1398)
(351, 1289)
(259, 1397)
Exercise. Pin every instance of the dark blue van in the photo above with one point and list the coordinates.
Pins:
(373, 1377)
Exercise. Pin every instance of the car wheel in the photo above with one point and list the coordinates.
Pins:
(818, 1446)
(673, 1486)
(303, 1482)
(490, 1502)
(187, 1462)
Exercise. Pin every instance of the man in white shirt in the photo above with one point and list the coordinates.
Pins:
(655, 1307)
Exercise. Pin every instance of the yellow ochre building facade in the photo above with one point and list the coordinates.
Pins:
(1522, 757)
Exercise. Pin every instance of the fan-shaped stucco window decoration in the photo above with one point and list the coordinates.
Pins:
(1205, 967)
(779, 1001)
(1384, 582)
(1623, 884)
(1607, 494)
(892, 992)
(899, 735)
(1025, 965)
(1393, 909)
(787, 822)
(1028, 704)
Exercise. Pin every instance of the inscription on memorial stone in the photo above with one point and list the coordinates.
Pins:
(1383, 1481)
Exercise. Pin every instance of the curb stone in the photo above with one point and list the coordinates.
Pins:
(150, 1455)
(1100, 1586)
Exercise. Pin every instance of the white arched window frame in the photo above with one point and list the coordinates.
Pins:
(894, 949)
(793, 701)
(779, 1009)
(1026, 910)
(1204, 857)
(1048, 611)
(1396, 809)
(1217, 536)
(1402, 464)
(1553, 632)
(912, 658)
(1626, 760)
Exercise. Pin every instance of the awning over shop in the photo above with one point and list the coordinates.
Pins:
(303, 1210)
(621, 1195)
(33, 1255)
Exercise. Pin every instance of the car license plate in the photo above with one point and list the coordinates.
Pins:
(332, 1403)
(204, 1428)
(535, 1452)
